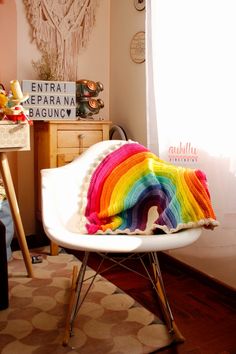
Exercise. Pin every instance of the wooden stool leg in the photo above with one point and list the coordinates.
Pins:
(54, 249)
(70, 307)
(10, 191)
(74, 303)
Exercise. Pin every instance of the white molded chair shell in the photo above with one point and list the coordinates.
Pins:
(60, 196)
(60, 191)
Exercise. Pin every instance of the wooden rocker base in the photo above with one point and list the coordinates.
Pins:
(76, 301)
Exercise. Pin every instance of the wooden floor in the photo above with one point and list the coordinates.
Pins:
(205, 314)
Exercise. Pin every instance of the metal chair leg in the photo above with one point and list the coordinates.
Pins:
(156, 280)
(165, 307)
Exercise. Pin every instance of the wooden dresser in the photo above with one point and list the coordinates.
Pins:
(58, 142)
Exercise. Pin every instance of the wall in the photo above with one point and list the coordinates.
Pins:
(196, 78)
(8, 63)
(127, 79)
(214, 253)
(93, 64)
(106, 59)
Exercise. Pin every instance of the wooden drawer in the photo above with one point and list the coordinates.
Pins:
(78, 138)
(63, 159)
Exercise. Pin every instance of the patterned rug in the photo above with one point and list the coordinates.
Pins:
(109, 320)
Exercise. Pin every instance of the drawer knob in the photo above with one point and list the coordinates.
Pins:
(81, 138)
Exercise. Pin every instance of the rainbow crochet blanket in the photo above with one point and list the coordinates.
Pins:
(131, 191)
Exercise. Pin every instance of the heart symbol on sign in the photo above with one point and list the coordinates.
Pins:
(68, 111)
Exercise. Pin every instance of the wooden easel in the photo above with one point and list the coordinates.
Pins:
(10, 192)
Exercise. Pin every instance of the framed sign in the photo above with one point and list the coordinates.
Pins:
(137, 47)
(50, 100)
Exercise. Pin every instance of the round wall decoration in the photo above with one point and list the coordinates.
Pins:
(137, 47)
(139, 4)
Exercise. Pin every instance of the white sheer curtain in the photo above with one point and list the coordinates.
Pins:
(151, 76)
(191, 94)
(191, 76)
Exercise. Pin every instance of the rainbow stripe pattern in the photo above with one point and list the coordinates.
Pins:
(132, 191)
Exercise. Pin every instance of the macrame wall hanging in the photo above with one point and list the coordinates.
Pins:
(61, 28)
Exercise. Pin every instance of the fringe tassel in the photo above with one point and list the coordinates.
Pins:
(62, 30)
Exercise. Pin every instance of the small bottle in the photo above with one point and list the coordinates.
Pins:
(88, 107)
(88, 88)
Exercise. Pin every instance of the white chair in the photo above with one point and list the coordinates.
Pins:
(60, 190)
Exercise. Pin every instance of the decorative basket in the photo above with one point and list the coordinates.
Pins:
(14, 136)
